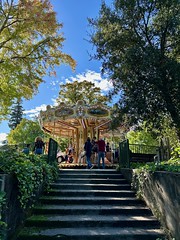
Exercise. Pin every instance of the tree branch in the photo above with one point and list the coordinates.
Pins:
(6, 16)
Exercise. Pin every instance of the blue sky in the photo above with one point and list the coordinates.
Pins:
(73, 14)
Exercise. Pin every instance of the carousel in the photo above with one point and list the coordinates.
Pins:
(76, 122)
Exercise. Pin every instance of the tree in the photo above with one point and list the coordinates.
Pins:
(138, 43)
(72, 92)
(167, 131)
(25, 132)
(30, 48)
(16, 114)
(142, 137)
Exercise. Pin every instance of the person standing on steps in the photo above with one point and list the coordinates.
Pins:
(88, 149)
(101, 152)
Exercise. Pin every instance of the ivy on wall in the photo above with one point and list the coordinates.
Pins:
(31, 171)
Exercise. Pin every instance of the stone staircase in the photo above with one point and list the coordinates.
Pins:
(91, 205)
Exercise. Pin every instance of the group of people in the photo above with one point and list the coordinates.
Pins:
(38, 147)
(66, 156)
(94, 148)
(98, 148)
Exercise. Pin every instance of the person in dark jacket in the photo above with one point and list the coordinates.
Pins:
(88, 149)
(38, 146)
(94, 150)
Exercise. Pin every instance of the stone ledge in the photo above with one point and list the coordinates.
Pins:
(161, 192)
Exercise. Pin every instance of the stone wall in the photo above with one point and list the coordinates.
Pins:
(13, 215)
(161, 192)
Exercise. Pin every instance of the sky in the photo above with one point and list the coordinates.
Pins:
(73, 14)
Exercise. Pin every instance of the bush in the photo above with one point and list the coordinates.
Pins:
(172, 165)
(31, 171)
(3, 225)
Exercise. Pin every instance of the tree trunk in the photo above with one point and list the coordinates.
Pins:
(174, 114)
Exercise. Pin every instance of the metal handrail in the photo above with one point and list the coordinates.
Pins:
(143, 149)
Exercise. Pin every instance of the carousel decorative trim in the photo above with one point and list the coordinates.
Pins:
(80, 110)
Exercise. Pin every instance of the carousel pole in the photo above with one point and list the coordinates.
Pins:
(77, 145)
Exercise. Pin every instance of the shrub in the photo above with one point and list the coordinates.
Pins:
(31, 171)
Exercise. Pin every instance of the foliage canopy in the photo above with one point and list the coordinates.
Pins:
(72, 92)
(30, 48)
(25, 132)
(142, 137)
(139, 45)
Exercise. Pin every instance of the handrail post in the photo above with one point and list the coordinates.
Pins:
(124, 155)
(52, 150)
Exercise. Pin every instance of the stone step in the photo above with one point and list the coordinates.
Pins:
(92, 209)
(90, 200)
(96, 233)
(80, 221)
(88, 193)
(91, 180)
(91, 205)
(86, 186)
(89, 171)
(92, 175)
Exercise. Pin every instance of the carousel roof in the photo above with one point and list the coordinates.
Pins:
(64, 120)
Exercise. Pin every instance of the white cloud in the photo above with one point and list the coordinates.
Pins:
(94, 77)
(53, 83)
(35, 112)
(88, 75)
(3, 136)
(54, 100)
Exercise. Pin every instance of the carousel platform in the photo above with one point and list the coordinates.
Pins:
(83, 165)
